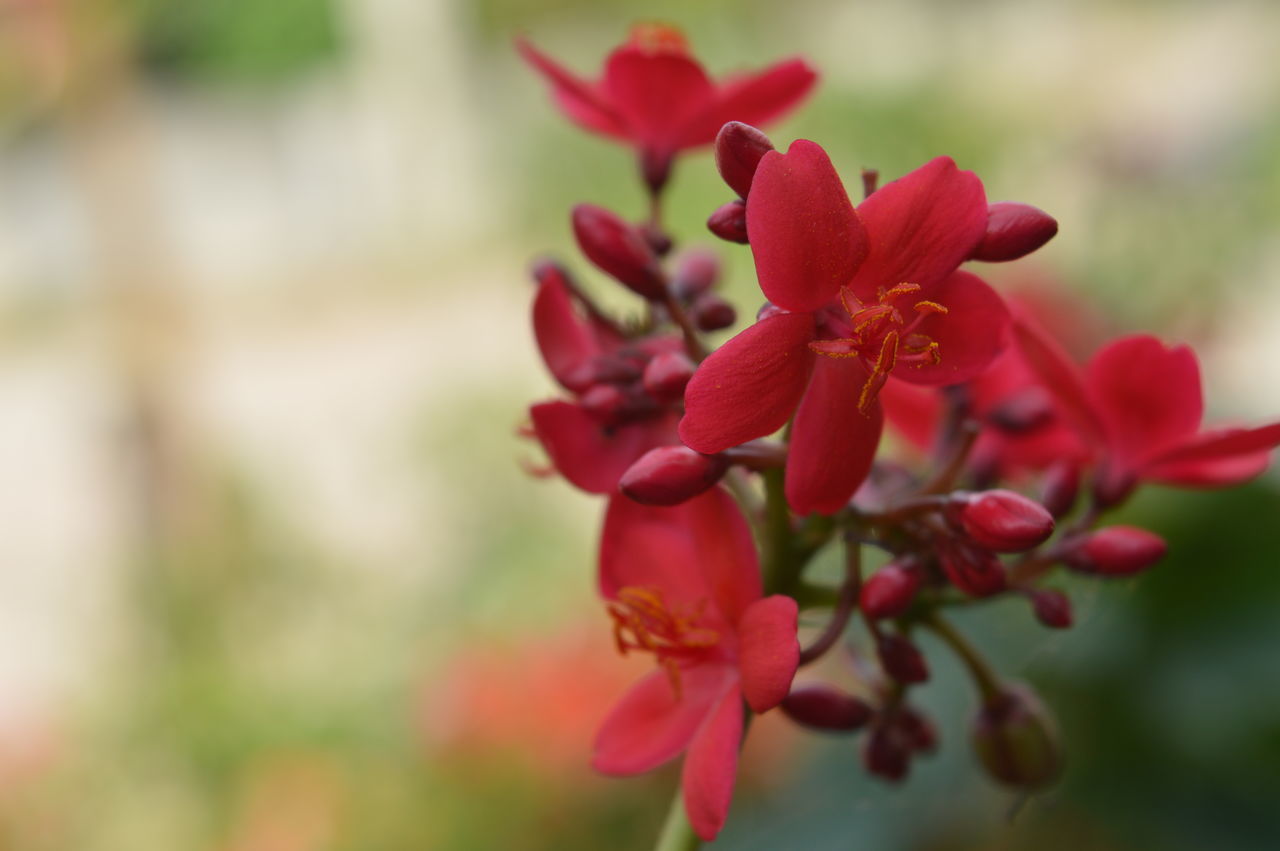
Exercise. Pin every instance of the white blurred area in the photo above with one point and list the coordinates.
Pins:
(292, 282)
(286, 282)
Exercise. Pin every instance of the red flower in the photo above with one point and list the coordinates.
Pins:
(614, 419)
(1022, 427)
(684, 584)
(655, 96)
(1140, 403)
(859, 295)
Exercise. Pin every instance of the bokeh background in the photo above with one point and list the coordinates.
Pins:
(272, 577)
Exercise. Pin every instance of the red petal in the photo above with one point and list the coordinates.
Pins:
(1217, 458)
(756, 98)
(969, 335)
(832, 442)
(649, 726)
(658, 94)
(565, 340)
(589, 456)
(725, 551)
(711, 766)
(577, 98)
(914, 412)
(805, 235)
(1217, 473)
(921, 227)
(697, 552)
(1147, 395)
(750, 386)
(768, 651)
(1062, 377)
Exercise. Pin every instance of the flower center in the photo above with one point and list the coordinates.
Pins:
(880, 334)
(653, 38)
(643, 621)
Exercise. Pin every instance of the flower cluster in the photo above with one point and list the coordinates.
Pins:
(728, 470)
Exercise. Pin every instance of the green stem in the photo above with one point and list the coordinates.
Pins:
(677, 834)
(846, 603)
(984, 676)
(777, 535)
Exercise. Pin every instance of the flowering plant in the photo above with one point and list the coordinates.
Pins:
(728, 471)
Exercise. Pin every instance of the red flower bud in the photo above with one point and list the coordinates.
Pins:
(1115, 551)
(917, 731)
(1016, 739)
(885, 754)
(1014, 230)
(655, 168)
(739, 148)
(546, 270)
(824, 707)
(618, 249)
(890, 590)
(712, 313)
(730, 222)
(977, 573)
(669, 475)
(1112, 486)
(697, 271)
(1060, 488)
(1001, 521)
(901, 659)
(605, 402)
(1052, 608)
(667, 374)
(658, 240)
(1023, 411)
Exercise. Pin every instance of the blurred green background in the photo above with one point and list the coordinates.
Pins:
(272, 577)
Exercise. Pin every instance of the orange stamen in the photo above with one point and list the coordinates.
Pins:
(879, 332)
(643, 621)
(654, 37)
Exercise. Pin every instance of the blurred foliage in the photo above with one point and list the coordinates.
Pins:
(230, 40)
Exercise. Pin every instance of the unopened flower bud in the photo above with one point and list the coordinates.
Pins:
(1112, 486)
(618, 249)
(977, 573)
(1016, 739)
(669, 475)
(824, 707)
(1000, 520)
(1060, 488)
(890, 590)
(546, 270)
(901, 659)
(1115, 551)
(658, 240)
(1052, 608)
(605, 402)
(697, 270)
(655, 168)
(739, 148)
(730, 222)
(666, 375)
(1023, 411)
(712, 313)
(885, 754)
(917, 731)
(1014, 230)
